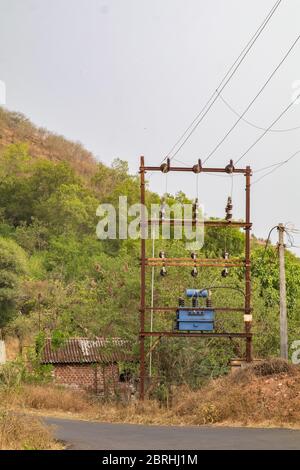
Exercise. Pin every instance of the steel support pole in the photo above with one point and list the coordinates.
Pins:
(282, 288)
(248, 315)
(143, 281)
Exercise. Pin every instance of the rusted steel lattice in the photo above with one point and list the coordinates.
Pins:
(146, 262)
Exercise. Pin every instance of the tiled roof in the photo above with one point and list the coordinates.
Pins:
(84, 350)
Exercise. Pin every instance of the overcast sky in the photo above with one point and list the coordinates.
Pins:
(126, 77)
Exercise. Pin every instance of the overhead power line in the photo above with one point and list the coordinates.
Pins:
(225, 80)
(253, 100)
(289, 232)
(267, 167)
(266, 130)
(231, 108)
(276, 168)
(291, 227)
(268, 240)
(291, 239)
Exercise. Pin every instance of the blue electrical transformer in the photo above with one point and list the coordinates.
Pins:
(196, 293)
(189, 319)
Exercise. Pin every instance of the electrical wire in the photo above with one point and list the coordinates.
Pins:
(291, 239)
(297, 232)
(267, 167)
(268, 240)
(206, 174)
(291, 227)
(180, 161)
(166, 187)
(253, 101)
(259, 260)
(279, 165)
(152, 304)
(227, 77)
(266, 130)
(225, 287)
(230, 107)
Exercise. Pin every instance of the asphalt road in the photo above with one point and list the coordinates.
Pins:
(105, 436)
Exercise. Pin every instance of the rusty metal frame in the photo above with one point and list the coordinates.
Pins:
(195, 335)
(210, 223)
(204, 262)
(218, 309)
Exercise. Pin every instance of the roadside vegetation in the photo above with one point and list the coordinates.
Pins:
(264, 394)
(22, 432)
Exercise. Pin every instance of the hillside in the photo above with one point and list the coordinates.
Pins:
(15, 128)
(59, 280)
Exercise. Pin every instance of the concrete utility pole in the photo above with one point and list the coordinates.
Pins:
(283, 312)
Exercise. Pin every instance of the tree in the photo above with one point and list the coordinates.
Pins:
(265, 276)
(70, 209)
(14, 160)
(28, 185)
(13, 265)
(266, 269)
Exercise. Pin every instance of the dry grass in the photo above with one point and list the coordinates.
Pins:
(45, 397)
(267, 393)
(19, 432)
(274, 367)
(40, 397)
(49, 399)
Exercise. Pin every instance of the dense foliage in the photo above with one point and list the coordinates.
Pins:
(56, 276)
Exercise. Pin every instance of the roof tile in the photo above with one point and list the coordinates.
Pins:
(85, 350)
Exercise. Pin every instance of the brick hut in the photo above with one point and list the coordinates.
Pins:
(90, 364)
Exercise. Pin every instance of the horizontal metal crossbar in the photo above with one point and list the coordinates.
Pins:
(190, 169)
(210, 260)
(195, 335)
(217, 309)
(208, 223)
(198, 264)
